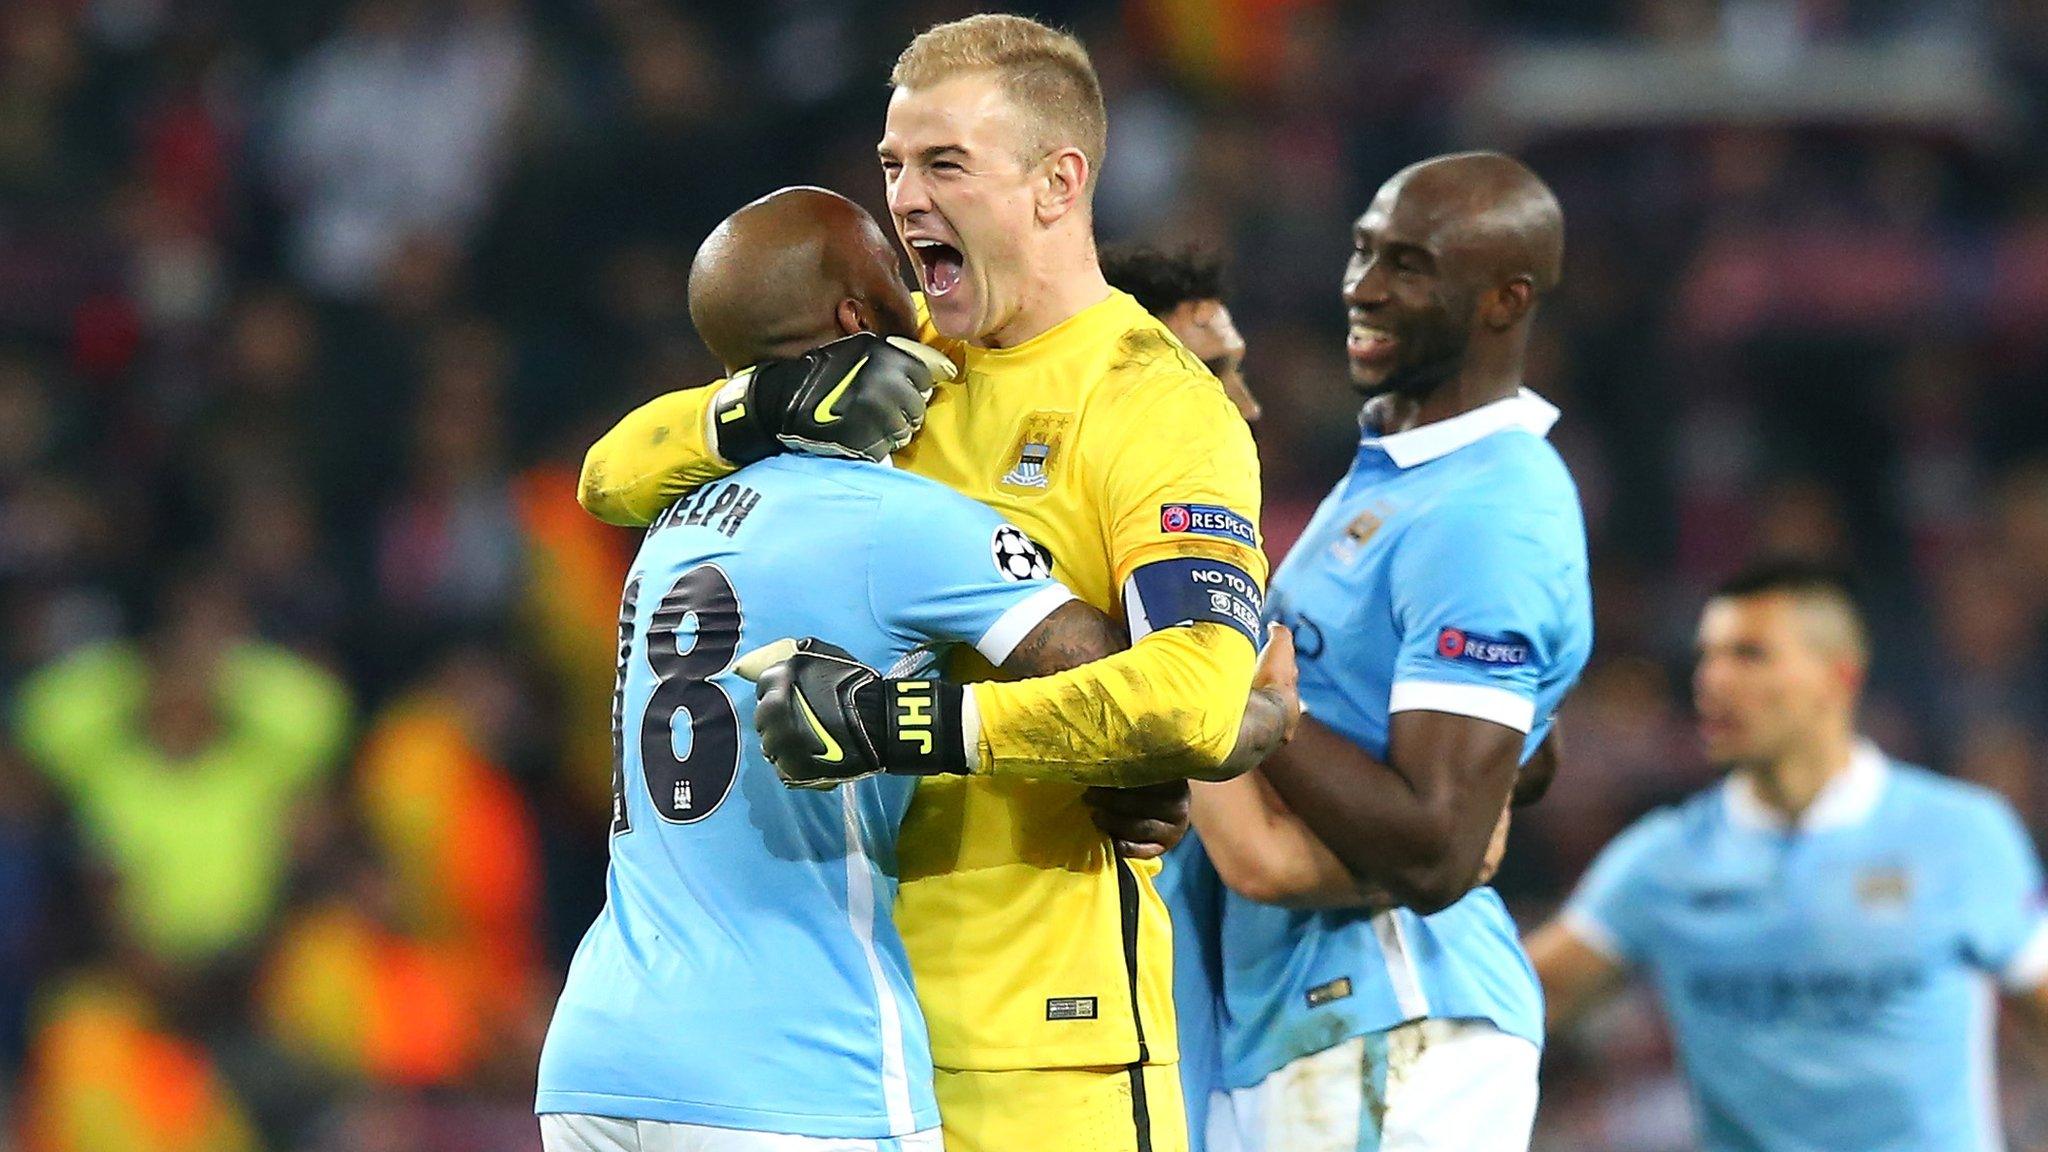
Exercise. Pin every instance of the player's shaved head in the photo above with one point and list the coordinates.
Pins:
(1821, 599)
(795, 269)
(1488, 208)
(1447, 266)
(1831, 626)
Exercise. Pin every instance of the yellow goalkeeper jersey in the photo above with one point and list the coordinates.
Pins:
(1033, 944)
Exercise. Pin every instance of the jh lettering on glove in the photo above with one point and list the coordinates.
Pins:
(825, 718)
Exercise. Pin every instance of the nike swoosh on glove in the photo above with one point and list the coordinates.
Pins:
(861, 397)
(825, 718)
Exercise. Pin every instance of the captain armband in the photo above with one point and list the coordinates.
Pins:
(1190, 590)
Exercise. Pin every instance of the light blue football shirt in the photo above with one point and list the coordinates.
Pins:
(1193, 893)
(744, 972)
(1829, 985)
(1447, 572)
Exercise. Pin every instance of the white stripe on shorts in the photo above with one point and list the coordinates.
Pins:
(1431, 1085)
(574, 1132)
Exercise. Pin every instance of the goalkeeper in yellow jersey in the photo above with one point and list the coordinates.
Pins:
(1042, 960)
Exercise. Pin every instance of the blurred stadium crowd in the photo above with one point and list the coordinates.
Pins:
(308, 309)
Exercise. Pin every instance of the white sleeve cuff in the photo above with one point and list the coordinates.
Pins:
(2028, 968)
(1592, 933)
(1013, 626)
(970, 727)
(1479, 701)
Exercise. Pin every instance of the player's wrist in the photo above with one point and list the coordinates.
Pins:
(916, 725)
(743, 419)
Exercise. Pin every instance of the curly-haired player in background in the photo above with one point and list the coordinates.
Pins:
(1185, 290)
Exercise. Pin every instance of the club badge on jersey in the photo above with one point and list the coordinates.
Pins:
(1036, 453)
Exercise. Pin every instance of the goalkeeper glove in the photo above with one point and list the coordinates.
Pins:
(826, 718)
(862, 396)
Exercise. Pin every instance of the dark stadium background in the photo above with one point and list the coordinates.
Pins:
(307, 311)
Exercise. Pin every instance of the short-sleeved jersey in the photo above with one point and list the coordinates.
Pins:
(744, 972)
(1447, 572)
(1117, 452)
(1194, 897)
(1830, 984)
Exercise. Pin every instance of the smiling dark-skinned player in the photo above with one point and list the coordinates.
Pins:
(1441, 610)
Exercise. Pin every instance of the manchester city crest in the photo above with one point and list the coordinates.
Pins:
(1035, 459)
(1029, 471)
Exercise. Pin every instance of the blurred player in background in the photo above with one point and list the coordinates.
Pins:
(1185, 290)
(1042, 959)
(744, 987)
(1441, 608)
(1825, 926)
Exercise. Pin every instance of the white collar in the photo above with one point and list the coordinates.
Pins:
(1847, 799)
(1525, 410)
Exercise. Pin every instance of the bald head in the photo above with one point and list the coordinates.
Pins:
(1489, 207)
(1446, 267)
(795, 269)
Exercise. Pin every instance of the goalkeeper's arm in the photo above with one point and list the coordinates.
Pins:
(862, 396)
(1135, 717)
(1179, 704)
(1177, 478)
(661, 450)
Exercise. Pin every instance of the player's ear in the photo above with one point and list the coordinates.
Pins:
(1851, 673)
(853, 317)
(1064, 185)
(1505, 306)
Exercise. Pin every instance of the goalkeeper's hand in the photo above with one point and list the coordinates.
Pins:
(862, 396)
(826, 718)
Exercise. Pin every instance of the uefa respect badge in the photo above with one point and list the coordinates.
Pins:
(1208, 520)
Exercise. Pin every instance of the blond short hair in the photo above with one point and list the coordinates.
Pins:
(1046, 72)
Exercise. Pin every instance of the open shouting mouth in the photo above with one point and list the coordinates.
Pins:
(939, 266)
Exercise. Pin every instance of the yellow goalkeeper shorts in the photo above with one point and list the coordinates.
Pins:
(1063, 1109)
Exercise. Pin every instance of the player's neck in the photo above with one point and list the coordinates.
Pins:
(1057, 290)
(1791, 783)
(1393, 413)
(1485, 377)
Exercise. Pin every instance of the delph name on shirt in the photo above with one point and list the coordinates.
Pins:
(723, 507)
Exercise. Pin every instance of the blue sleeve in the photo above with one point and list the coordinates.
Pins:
(2003, 915)
(1609, 909)
(1478, 614)
(943, 569)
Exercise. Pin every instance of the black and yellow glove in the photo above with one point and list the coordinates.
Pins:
(862, 396)
(826, 718)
